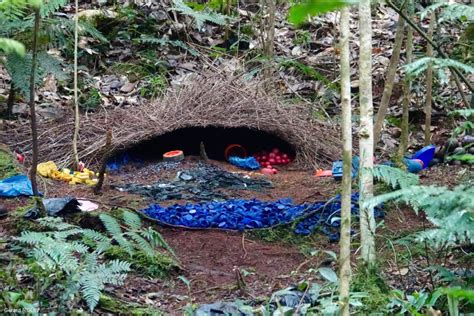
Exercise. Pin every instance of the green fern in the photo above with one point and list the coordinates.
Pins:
(394, 177)
(450, 211)
(51, 6)
(417, 67)
(60, 250)
(450, 12)
(200, 17)
(10, 46)
(132, 220)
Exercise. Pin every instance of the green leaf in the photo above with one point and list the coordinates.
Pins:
(10, 46)
(300, 12)
(328, 274)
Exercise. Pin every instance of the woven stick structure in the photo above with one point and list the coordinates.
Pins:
(216, 101)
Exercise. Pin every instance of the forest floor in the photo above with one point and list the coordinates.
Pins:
(215, 262)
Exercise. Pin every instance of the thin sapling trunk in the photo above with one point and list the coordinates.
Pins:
(76, 101)
(345, 242)
(429, 82)
(406, 90)
(366, 137)
(389, 80)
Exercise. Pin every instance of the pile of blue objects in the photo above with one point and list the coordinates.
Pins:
(249, 163)
(240, 215)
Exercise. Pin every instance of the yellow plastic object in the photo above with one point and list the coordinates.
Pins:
(50, 170)
(45, 168)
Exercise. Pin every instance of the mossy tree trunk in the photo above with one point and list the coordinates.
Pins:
(345, 242)
(389, 80)
(406, 89)
(429, 81)
(366, 137)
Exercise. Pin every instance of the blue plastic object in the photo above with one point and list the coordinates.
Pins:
(426, 154)
(337, 168)
(15, 186)
(249, 163)
(241, 214)
(121, 160)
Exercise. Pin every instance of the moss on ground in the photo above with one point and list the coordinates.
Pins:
(8, 165)
(112, 305)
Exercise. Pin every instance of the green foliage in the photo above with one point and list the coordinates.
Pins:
(8, 166)
(154, 86)
(301, 11)
(90, 100)
(146, 39)
(450, 211)
(463, 112)
(306, 70)
(10, 46)
(133, 237)
(200, 17)
(466, 158)
(395, 177)
(19, 69)
(450, 11)
(419, 66)
(377, 292)
(60, 250)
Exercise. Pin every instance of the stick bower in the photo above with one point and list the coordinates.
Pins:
(206, 102)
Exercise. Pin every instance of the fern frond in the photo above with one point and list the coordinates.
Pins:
(111, 225)
(451, 211)
(142, 244)
(200, 17)
(91, 287)
(417, 67)
(450, 12)
(132, 220)
(157, 240)
(51, 6)
(394, 177)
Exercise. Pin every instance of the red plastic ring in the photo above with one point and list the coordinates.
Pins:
(232, 147)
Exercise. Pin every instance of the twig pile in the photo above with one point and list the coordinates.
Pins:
(215, 101)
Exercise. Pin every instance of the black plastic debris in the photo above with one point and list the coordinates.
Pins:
(200, 184)
(55, 207)
(221, 308)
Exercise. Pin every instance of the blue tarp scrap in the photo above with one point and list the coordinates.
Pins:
(249, 163)
(15, 186)
(239, 214)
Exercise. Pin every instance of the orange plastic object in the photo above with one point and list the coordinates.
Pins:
(233, 150)
(323, 173)
(174, 155)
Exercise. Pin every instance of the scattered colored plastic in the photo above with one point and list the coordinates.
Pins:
(235, 150)
(238, 214)
(337, 168)
(15, 186)
(174, 155)
(50, 170)
(249, 163)
(323, 173)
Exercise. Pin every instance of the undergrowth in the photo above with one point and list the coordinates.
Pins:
(158, 265)
(8, 166)
(378, 295)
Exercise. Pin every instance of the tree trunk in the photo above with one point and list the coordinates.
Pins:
(11, 101)
(391, 72)
(345, 242)
(366, 137)
(429, 82)
(103, 163)
(406, 89)
(76, 101)
(267, 30)
(34, 132)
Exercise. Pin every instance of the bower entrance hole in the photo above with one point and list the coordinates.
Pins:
(215, 139)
